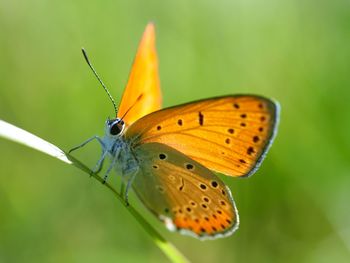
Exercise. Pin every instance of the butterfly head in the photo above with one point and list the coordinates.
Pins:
(115, 127)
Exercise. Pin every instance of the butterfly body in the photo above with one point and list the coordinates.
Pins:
(169, 156)
(119, 151)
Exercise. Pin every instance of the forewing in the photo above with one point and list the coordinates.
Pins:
(230, 134)
(182, 193)
(142, 94)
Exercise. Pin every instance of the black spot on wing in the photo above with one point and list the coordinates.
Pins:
(201, 118)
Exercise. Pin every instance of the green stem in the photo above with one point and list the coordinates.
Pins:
(18, 135)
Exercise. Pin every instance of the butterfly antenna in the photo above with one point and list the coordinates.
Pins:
(99, 79)
(137, 100)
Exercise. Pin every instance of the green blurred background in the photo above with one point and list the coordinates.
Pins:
(296, 208)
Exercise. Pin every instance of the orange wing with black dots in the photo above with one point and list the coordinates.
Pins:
(229, 134)
(184, 194)
(142, 94)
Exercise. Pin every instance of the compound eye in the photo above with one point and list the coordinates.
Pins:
(116, 128)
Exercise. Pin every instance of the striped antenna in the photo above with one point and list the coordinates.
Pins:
(99, 79)
(137, 100)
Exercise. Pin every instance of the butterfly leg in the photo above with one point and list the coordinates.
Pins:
(99, 164)
(128, 185)
(86, 142)
(105, 176)
(113, 162)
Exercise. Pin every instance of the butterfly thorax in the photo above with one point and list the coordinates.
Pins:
(118, 148)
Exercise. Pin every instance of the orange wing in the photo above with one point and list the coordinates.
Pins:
(184, 194)
(230, 134)
(142, 94)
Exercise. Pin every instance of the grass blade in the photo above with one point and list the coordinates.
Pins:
(13, 133)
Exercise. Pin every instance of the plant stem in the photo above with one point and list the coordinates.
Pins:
(13, 133)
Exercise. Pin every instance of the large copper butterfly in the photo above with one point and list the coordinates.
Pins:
(169, 156)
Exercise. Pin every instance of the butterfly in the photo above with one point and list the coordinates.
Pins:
(170, 156)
